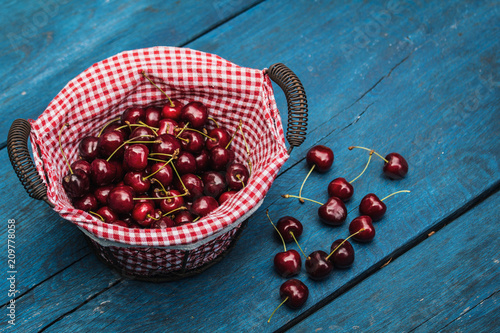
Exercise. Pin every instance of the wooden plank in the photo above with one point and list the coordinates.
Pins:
(245, 277)
(437, 193)
(47, 43)
(450, 283)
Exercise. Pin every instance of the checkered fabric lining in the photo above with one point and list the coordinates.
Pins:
(106, 89)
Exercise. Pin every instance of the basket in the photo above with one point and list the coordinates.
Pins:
(232, 93)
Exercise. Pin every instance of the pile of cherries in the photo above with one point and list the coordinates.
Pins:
(155, 167)
(319, 264)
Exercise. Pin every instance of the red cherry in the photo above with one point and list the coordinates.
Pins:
(152, 116)
(76, 184)
(121, 199)
(340, 188)
(193, 184)
(163, 173)
(185, 163)
(172, 110)
(396, 167)
(136, 157)
(142, 213)
(333, 212)
(287, 263)
(87, 148)
(81, 165)
(167, 144)
(183, 217)
(109, 142)
(204, 206)
(364, 223)
(202, 161)
(237, 176)
(168, 205)
(195, 113)
(163, 223)
(86, 203)
(372, 206)
(221, 137)
(343, 257)
(321, 157)
(219, 158)
(107, 214)
(225, 196)
(133, 115)
(143, 134)
(287, 225)
(167, 126)
(136, 180)
(214, 183)
(318, 266)
(101, 193)
(296, 291)
(193, 142)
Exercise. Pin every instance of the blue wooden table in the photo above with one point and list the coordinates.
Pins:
(418, 78)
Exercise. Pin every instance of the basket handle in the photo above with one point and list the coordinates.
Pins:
(297, 103)
(20, 158)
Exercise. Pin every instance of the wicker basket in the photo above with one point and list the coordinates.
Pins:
(180, 251)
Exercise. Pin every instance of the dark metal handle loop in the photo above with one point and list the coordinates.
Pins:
(297, 103)
(20, 158)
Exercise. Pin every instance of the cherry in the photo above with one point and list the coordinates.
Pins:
(76, 184)
(204, 205)
(221, 136)
(192, 183)
(121, 199)
(87, 148)
(286, 263)
(142, 213)
(109, 142)
(114, 125)
(288, 225)
(225, 196)
(81, 165)
(163, 223)
(318, 266)
(237, 176)
(133, 115)
(340, 188)
(202, 161)
(343, 254)
(172, 110)
(320, 158)
(372, 206)
(167, 126)
(174, 202)
(195, 113)
(152, 116)
(87, 202)
(107, 214)
(193, 142)
(167, 144)
(362, 229)
(293, 293)
(101, 193)
(396, 166)
(333, 212)
(119, 170)
(143, 133)
(137, 180)
(135, 157)
(120, 223)
(219, 158)
(162, 172)
(183, 217)
(214, 183)
(185, 163)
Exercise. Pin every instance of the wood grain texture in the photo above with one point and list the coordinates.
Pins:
(448, 283)
(47, 43)
(419, 101)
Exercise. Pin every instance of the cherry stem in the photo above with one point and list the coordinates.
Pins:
(164, 165)
(62, 151)
(215, 122)
(106, 125)
(140, 124)
(162, 187)
(296, 242)
(234, 134)
(185, 126)
(196, 219)
(300, 192)
(345, 240)
(244, 139)
(239, 178)
(174, 210)
(390, 195)
(366, 166)
(180, 179)
(131, 141)
(99, 216)
(151, 217)
(161, 154)
(352, 147)
(286, 196)
(156, 159)
(154, 129)
(204, 134)
(286, 299)
(267, 213)
(147, 77)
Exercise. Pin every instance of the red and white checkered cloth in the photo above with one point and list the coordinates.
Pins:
(106, 89)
